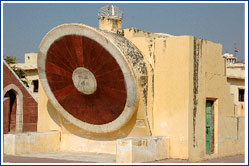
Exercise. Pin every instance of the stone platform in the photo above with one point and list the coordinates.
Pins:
(49, 145)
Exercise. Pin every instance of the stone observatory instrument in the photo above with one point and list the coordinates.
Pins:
(94, 78)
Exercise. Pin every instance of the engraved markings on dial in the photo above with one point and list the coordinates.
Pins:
(84, 80)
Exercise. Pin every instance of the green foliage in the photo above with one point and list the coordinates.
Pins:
(19, 72)
(11, 59)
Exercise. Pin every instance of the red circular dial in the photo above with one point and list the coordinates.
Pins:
(71, 52)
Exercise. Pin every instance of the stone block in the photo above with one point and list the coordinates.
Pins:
(31, 142)
(133, 150)
(71, 142)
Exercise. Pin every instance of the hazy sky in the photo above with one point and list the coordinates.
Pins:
(26, 24)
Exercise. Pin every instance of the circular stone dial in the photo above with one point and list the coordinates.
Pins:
(85, 79)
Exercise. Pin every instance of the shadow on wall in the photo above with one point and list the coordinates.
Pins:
(68, 127)
(53, 113)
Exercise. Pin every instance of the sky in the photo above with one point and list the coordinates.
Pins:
(24, 25)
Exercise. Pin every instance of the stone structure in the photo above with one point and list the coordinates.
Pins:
(19, 105)
(30, 67)
(26, 143)
(142, 96)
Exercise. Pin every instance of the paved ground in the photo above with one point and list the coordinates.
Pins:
(231, 159)
(65, 157)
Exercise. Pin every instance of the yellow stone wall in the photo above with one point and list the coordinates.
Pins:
(48, 117)
(173, 60)
(213, 85)
(145, 42)
(172, 93)
(169, 58)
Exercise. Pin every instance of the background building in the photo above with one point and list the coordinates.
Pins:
(30, 67)
(235, 72)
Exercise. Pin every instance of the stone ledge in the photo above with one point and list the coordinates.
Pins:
(131, 150)
(31, 142)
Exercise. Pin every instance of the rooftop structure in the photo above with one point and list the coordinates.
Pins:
(229, 58)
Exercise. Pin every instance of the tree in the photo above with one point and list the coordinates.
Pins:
(19, 72)
(11, 59)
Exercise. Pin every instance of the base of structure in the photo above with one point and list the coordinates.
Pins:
(31, 142)
(128, 150)
(75, 143)
(133, 150)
